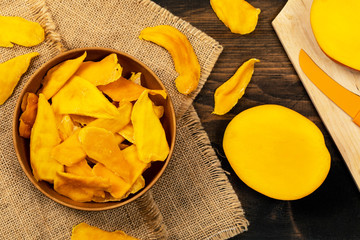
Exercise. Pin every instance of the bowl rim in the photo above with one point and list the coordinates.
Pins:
(109, 205)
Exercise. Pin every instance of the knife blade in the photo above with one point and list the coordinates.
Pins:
(348, 101)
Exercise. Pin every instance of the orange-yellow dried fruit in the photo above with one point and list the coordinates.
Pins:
(29, 107)
(65, 126)
(20, 31)
(238, 15)
(182, 52)
(11, 72)
(228, 94)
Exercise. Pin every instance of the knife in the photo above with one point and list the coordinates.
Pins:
(348, 101)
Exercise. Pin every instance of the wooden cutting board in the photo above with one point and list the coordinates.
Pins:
(292, 25)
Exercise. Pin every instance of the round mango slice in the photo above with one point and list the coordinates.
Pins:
(335, 27)
(277, 152)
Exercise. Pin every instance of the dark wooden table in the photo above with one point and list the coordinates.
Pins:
(333, 210)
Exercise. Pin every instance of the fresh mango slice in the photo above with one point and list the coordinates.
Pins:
(149, 134)
(238, 15)
(125, 90)
(277, 152)
(182, 52)
(79, 188)
(20, 31)
(11, 72)
(84, 231)
(79, 96)
(44, 137)
(57, 76)
(29, 107)
(335, 29)
(228, 94)
(101, 73)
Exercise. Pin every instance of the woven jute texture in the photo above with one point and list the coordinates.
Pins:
(192, 200)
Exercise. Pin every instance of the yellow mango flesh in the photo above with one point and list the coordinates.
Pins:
(335, 27)
(238, 15)
(81, 168)
(101, 73)
(228, 94)
(11, 72)
(79, 96)
(149, 134)
(57, 76)
(84, 231)
(20, 31)
(182, 53)
(44, 137)
(277, 152)
(65, 126)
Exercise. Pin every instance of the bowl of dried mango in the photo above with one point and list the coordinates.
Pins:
(94, 129)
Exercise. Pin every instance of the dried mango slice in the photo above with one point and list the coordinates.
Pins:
(149, 134)
(101, 73)
(137, 186)
(57, 76)
(20, 31)
(29, 107)
(126, 90)
(82, 168)
(70, 151)
(66, 127)
(79, 96)
(118, 186)
(79, 188)
(238, 15)
(44, 137)
(133, 164)
(135, 77)
(128, 132)
(183, 55)
(84, 231)
(228, 94)
(11, 72)
(82, 120)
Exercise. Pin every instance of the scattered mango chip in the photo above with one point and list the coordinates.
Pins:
(57, 76)
(228, 94)
(11, 72)
(20, 31)
(182, 52)
(84, 231)
(149, 134)
(101, 73)
(79, 96)
(238, 15)
(44, 137)
(29, 107)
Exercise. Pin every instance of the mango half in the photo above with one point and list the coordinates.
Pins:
(335, 27)
(277, 152)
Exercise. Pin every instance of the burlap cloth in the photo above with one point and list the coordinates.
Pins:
(192, 200)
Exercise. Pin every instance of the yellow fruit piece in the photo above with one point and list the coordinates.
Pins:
(57, 76)
(11, 72)
(79, 188)
(44, 137)
(20, 31)
(238, 15)
(149, 134)
(128, 132)
(133, 164)
(101, 73)
(335, 29)
(82, 120)
(277, 152)
(228, 94)
(29, 107)
(79, 96)
(81, 168)
(84, 231)
(65, 126)
(182, 52)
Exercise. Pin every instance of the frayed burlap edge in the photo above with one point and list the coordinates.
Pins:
(192, 121)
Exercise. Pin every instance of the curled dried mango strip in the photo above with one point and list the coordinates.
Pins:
(79, 96)
(11, 72)
(238, 15)
(29, 107)
(228, 94)
(183, 55)
(149, 134)
(57, 76)
(44, 137)
(84, 231)
(20, 31)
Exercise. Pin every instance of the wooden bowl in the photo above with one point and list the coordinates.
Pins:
(129, 64)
